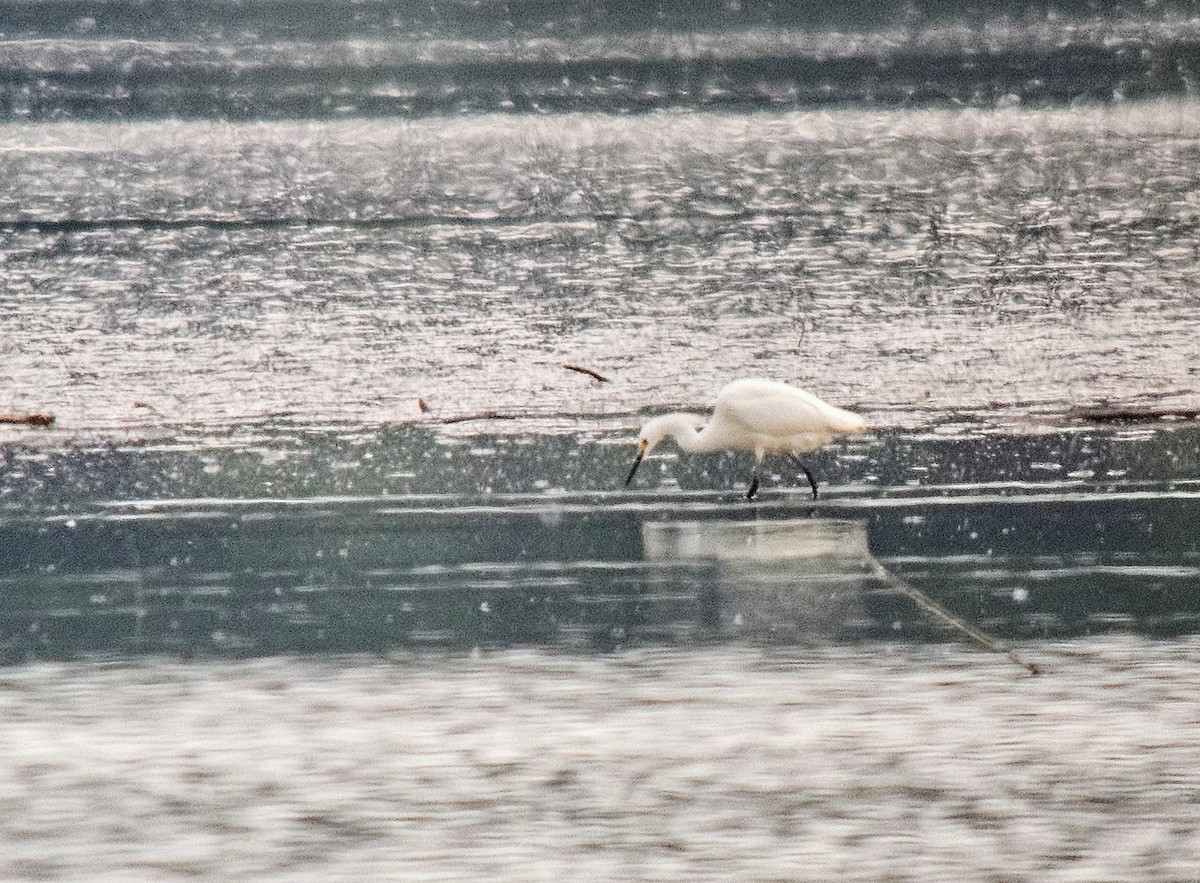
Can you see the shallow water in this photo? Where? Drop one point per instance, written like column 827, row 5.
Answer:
column 307, row 569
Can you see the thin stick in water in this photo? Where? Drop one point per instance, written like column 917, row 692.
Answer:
column 595, row 375
column 958, row 624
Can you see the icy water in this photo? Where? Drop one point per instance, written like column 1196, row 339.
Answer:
column 325, row 569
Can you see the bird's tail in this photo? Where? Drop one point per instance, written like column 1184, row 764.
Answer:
column 844, row 422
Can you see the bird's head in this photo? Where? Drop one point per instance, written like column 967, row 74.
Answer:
column 655, row 430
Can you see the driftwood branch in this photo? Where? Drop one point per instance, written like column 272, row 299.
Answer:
column 1133, row 413
column 28, row 419
column 429, row 419
column 595, row 375
column 481, row 415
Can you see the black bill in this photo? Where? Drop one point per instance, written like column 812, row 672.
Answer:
column 636, row 463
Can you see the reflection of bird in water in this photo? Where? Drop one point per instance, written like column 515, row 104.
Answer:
column 786, row 578
column 762, row 416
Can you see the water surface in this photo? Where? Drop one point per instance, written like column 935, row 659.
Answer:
column 325, row 568
column 714, row 764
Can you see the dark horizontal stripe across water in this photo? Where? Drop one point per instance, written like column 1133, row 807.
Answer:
column 323, row 20
column 247, row 62
column 489, row 219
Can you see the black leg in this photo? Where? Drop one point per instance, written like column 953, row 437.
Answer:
column 753, row 484
column 812, row 481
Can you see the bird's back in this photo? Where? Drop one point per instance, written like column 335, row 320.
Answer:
column 780, row 416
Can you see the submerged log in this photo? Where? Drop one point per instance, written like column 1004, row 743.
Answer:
column 1133, row 413
column 28, row 419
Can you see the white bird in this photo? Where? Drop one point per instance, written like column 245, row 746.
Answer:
column 754, row 415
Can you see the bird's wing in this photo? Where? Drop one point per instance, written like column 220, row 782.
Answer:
column 775, row 409
column 768, row 413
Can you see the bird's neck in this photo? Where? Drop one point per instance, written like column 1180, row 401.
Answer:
column 691, row 439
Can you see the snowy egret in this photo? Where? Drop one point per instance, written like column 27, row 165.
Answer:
column 753, row 415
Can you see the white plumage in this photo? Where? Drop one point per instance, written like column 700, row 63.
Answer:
column 762, row 416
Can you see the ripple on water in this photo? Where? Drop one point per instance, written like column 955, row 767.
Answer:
column 713, row 763
column 916, row 245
